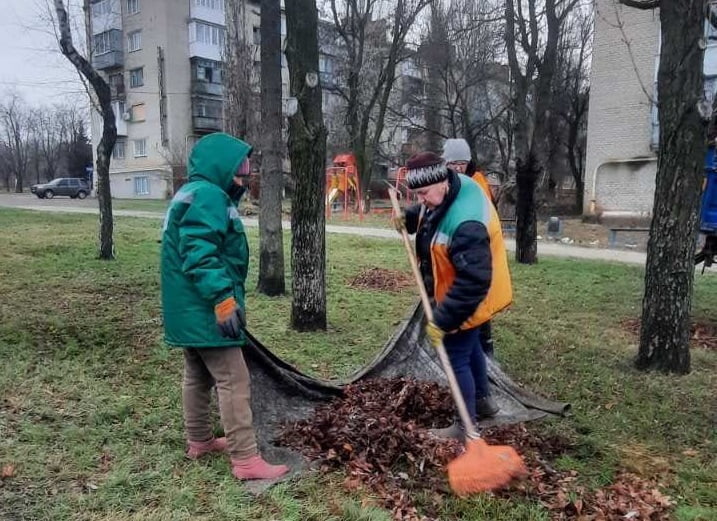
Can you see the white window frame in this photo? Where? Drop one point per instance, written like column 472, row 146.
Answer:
column 134, row 41
column 136, row 73
column 140, row 147
column 132, row 6
column 141, row 185
column 102, row 8
column 120, row 149
column 210, row 4
column 102, row 43
column 209, row 34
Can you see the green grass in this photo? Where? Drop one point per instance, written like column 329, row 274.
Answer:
column 90, row 398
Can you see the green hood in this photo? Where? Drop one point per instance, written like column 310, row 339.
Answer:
column 216, row 158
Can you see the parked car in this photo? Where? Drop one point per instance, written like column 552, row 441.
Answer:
column 70, row 186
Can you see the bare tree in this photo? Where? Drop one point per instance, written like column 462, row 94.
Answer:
column 532, row 35
column 669, row 272
column 307, row 150
column 371, row 59
column 17, row 125
column 271, row 245
column 102, row 94
column 240, row 99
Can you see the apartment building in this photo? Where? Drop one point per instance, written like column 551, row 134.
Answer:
column 163, row 61
column 623, row 128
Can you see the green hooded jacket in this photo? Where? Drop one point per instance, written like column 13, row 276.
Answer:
column 205, row 255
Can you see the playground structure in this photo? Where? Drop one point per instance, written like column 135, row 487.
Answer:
column 401, row 186
column 343, row 186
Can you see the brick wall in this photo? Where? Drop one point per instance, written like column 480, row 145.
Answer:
column 619, row 121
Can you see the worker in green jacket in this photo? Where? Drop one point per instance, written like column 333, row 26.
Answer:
column 205, row 257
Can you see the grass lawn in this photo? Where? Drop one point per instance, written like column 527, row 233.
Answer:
column 90, row 418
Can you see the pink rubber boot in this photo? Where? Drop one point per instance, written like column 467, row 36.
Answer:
column 197, row 449
column 256, row 468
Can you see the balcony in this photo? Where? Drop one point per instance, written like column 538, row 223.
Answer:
column 207, row 88
column 108, row 60
column 206, row 124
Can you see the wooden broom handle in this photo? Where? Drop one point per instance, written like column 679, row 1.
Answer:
column 470, row 430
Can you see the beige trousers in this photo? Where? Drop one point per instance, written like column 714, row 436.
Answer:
column 225, row 368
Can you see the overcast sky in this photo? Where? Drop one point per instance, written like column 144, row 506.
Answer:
column 30, row 62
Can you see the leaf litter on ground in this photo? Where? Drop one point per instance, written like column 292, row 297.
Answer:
column 378, row 434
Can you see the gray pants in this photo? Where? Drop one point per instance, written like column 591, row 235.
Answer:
column 225, row 368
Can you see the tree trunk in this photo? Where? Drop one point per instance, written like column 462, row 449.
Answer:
column 109, row 129
column 526, row 246
column 271, row 247
column 666, row 305
column 307, row 150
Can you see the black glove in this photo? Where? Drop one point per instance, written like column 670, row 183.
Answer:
column 230, row 318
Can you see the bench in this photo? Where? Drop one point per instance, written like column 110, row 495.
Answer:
column 612, row 233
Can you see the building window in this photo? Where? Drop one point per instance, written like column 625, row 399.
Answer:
column 118, row 151
column 140, row 147
column 136, row 77
column 103, row 43
column 138, row 112
column 256, row 32
column 132, row 6
column 141, row 185
column 209, row 71
column 209, row 34
column 134, row 41
column 101, row 8
column 210, row 4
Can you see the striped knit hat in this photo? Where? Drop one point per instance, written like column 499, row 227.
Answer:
column 425, row 168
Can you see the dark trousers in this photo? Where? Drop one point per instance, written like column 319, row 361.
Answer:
column 486, row 338
column 468, row 363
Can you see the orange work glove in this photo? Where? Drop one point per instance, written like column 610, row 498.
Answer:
column 230, row 318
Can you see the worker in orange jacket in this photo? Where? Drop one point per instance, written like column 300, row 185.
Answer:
column 457, row 155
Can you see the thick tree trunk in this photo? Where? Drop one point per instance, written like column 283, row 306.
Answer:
column 526, row 246
column 666, row 305
column 271, row 247
column 307, row 150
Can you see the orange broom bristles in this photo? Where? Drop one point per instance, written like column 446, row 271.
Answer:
column 484, row 467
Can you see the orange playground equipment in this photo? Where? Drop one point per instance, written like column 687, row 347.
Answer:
column 343, row 186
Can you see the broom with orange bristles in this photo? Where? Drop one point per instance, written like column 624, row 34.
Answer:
column 481, row 467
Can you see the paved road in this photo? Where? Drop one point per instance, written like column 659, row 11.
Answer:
column 66, row 205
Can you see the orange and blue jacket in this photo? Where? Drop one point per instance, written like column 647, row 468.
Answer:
column 462, row 256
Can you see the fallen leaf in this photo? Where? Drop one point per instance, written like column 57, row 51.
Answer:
column 8, row 471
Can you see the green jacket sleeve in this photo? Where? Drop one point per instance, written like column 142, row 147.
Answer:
column 201, row 234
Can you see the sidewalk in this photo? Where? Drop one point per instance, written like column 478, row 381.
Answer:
column 544, row 248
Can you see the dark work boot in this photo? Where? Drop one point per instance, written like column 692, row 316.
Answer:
column 453, row 432
column 486, row 408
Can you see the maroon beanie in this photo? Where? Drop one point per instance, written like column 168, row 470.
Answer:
column 425, row 168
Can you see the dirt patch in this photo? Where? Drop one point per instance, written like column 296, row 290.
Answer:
column 703, row 334
column 382, row 279
column 377, row 434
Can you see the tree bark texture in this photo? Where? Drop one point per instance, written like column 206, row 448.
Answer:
column 307, row 150
column 271, row 246
column 666, row 305
column 239, row 109
column 109, row 129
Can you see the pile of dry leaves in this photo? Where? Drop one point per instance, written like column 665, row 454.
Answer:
column 377, row 433
column 382, row 279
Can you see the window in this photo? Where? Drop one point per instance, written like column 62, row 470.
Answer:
column 118, row 151
column 134, row 41
column 132, row 6
column 141, row 185
column 209, row 71
column 136, row 77
column 101, row 8
column 710, row 29
column 210, row 4
column 140, row 147
column 103, row 43
column 138, row 112
column 256, row 31
column 209, row 34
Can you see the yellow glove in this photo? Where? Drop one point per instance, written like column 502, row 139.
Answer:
column 435, row 334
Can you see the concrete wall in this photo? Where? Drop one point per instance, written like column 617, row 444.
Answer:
column 619, row 122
